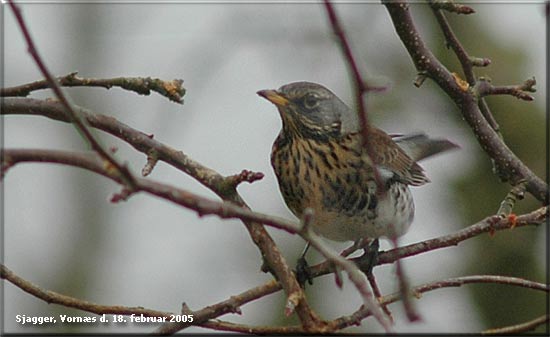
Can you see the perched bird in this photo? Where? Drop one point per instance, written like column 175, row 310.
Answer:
column 320, row 163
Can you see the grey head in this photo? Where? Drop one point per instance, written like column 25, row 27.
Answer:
column 312, row 106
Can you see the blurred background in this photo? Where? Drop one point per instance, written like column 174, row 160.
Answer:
column 62, row 233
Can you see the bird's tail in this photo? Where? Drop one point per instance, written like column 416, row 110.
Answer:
column 419, row 146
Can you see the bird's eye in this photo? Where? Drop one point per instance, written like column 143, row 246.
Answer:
column 311, row 101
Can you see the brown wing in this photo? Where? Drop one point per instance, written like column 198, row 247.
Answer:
column 387, row 155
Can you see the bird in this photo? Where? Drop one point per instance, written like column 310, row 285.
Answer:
column 321, row 164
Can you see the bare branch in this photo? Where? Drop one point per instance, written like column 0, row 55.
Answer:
column 354, row 274
column 228, row 210
column 234, row 207
column 206, row 176
column 230, row 305
column 410, row 310
column 219, row 325
column 485, row 88
column 488, row 225
column 509, row 166
column 519, row 328
column 451, row 6
column 360, row 86
column 52, row 297
column 235, row 180
column 355, row 318
column 378, row 295
column 467, row 61
column 203, row 206
column 72, row 115
column 173, row 90
column 516, row 193
column 362, row 313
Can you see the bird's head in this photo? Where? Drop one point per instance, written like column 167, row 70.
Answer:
column 311, row 110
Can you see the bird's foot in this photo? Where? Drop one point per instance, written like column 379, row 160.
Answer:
column 303, row 272
column 369, row 259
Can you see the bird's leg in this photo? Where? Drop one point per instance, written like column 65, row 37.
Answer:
column 368, row 260
column 303, row 271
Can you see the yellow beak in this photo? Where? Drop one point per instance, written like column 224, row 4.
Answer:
column 274, row 97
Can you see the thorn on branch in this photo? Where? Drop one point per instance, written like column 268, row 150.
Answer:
column 152, row 160
column 452, row 7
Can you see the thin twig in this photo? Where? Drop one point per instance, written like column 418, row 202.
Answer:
column 204, row 206
column 73, row 116
column 378, row 294
column 71, row 302
column 519, row 328
column 485, row 88
column 202, row 317
column 516, row 193
column 509, row 165
column 362, row 313
column 355, row 318
column 219, row 325
column 467, row 61
column 206, row 176
column 410, row 311
column 451, row 6
column 173, row 90
column 360, row 87
column 228, row 210
column 454, row 43
column 355, row 276
column 488, row 225
column 143, row 143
